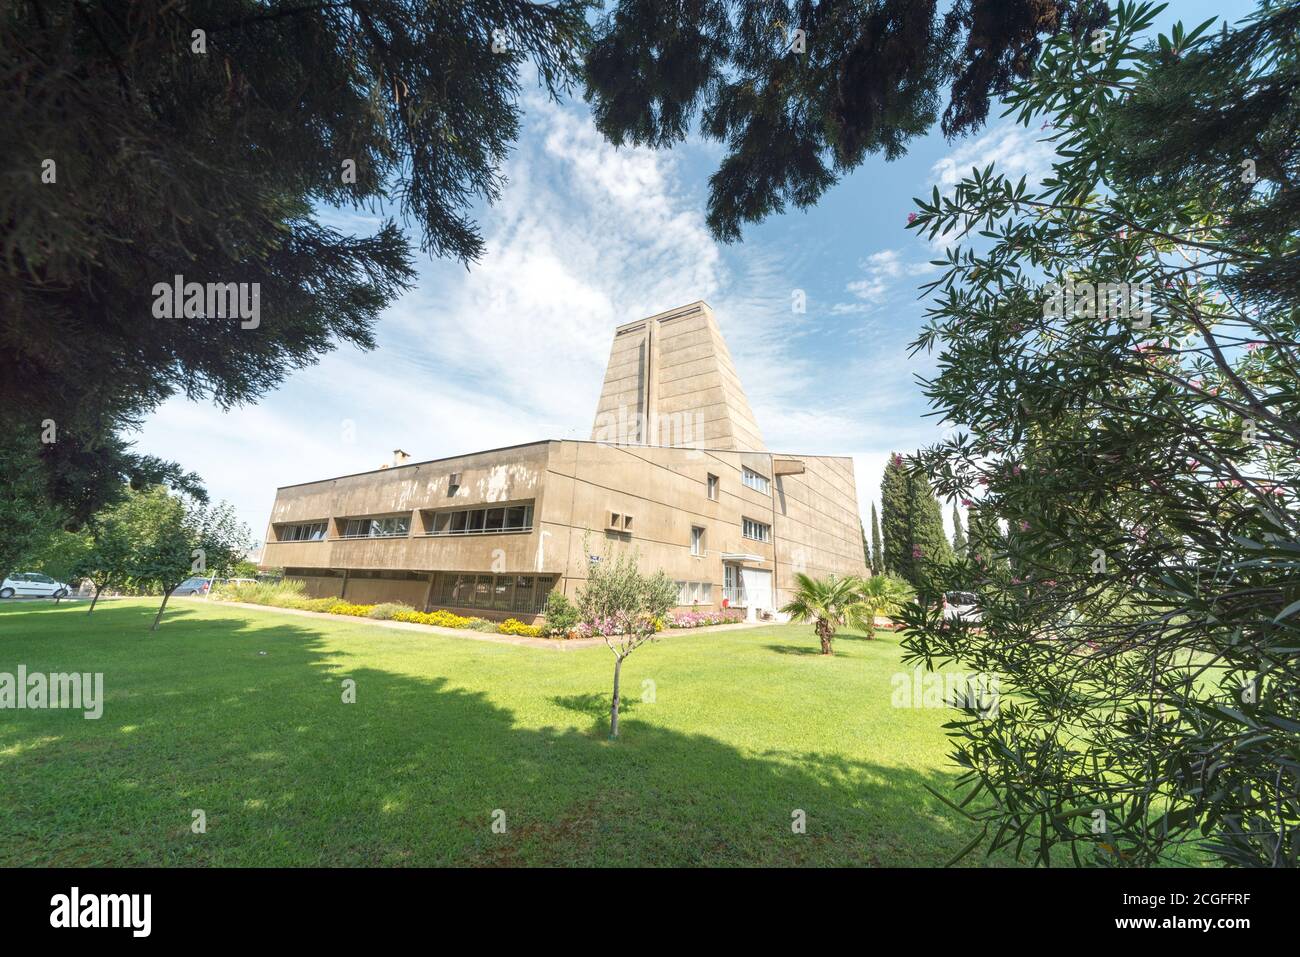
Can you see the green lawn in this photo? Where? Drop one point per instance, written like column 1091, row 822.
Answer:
column 746, row 727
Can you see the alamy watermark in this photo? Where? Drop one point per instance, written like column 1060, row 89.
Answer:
column 1103, row 300
column 179, row 299
column 626, row 427
column 39, row 691
column 954, row 689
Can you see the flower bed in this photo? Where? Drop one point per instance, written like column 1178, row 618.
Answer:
column 703, row 619
column 289, row 595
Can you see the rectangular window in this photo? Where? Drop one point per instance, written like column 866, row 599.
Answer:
column 501, row 592
column 689, row 593
column 524, row 593
column 758, row 531
column 306, row 532
column 713, row 488
column 755, row 481
column 377, row 527
column 488, row 520
column 544, row 585
column 697, row 540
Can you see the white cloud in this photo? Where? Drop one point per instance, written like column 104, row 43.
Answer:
column 882, row 271
column 1013, row 150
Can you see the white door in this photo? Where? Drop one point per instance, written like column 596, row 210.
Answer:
column 757, row 583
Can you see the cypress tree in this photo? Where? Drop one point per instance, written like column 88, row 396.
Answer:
column 895, row 521
column 877, row 558
column 959, row 544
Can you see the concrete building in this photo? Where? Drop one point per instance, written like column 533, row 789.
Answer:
column 676, row 469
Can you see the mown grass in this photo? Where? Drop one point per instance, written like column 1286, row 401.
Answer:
column 239, row 713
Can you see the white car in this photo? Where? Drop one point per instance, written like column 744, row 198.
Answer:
column 961, row 605
column 34, row 585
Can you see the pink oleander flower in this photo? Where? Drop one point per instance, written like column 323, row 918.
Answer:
column 984, row 480
column 1015, row 470
column 911, row 218
column 1015, row 581
column 918, row 551
column 898, row 459
column 967, row 503
column 1252, row 346
column 1024, row 526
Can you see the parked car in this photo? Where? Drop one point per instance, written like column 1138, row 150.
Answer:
column 192, row 586
column 962, row 605
column 33, row 584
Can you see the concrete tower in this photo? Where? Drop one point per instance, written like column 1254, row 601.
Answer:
column 671, row 382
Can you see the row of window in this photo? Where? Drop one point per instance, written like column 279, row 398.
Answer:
column 483, row 521
column 758, row 531
column 525, row 594
column 307, row 532
column 377, row 527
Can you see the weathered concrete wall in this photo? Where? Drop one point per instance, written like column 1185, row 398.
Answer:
column 674, row 370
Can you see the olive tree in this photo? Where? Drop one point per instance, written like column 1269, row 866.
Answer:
column 625, row 607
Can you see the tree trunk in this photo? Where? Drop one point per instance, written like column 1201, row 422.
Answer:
column 613, row 709
column 158, row 617
column 98, row 589
column 824, row 633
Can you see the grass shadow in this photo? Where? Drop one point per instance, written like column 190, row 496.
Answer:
column 415, row 772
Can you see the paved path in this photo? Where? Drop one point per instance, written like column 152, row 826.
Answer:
column 555, row 644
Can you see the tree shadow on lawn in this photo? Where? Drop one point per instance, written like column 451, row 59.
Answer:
column 415, row 772
column 803, row 650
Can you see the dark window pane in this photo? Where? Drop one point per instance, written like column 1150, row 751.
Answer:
column 495, row 517
column 524, row 593
column 475, row 521
column 515, row 516
column 458, row 521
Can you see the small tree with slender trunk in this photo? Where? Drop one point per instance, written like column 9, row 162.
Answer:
column 624, row 607
column 188, row 540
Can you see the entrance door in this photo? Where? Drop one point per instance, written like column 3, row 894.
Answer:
column 757, row 583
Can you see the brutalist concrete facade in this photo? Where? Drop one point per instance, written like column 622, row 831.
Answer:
column 676, row 470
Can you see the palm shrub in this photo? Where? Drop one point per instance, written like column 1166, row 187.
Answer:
column 823, row 601
column 878, row 595
column 1142, row 448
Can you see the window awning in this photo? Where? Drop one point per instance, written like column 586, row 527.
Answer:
column 742, row 557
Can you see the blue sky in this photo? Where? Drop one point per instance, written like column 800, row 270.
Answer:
column 586, row 237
